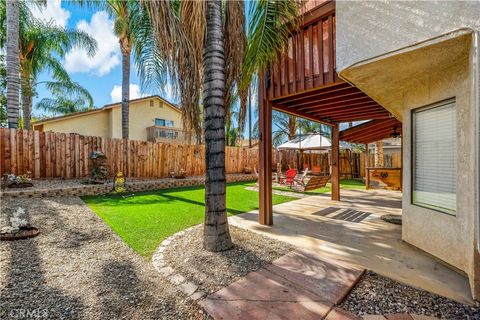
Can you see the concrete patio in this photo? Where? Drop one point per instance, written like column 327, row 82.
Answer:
column 351, row 231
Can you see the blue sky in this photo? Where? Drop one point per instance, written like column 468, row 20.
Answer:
column 101, row 74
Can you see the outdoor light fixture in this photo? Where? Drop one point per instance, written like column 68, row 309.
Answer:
column 395, row 134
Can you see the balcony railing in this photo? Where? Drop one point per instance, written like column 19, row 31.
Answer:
column 166, row 134
column 309, row 60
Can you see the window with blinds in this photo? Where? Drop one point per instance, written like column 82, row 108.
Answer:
column 435, row 157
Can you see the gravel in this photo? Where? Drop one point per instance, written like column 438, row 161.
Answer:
column 213, row 271
column 77, row 268
column 375, row 294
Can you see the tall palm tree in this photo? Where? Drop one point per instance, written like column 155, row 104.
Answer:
column 180, row 30
column 42, row 45
column 13, row 63
column 133, row 29
column 216, row 232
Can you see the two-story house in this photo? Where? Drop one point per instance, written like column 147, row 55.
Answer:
column 150, row 119
column 409, row 68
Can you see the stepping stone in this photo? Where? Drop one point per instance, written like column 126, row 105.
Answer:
column 421, row 317
column 329, row 279
column 340, row 314
column 398, row 316
column 299, row 285
column 263, row 295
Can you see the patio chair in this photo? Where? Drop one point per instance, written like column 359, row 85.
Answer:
column 313, row 183
column 301, row 179
column 316, row 170
column 290, row 177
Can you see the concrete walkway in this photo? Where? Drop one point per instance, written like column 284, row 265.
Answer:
column 299, row 285
column 351, row 231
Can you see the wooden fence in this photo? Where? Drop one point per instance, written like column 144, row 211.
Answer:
column 61, row 155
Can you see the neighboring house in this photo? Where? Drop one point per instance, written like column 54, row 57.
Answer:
column 409, row 68
column 420, row 61
column 151, row 118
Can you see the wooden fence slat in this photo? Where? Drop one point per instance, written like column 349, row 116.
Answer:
column 36, row 145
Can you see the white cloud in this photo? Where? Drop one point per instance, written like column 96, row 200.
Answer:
column 108, row 53
column 53, row 11
column 135, row 92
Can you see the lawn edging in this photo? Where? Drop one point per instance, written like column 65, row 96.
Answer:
column 190, row 289
column 79, row 189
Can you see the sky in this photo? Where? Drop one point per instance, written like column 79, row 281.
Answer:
column 101, row 74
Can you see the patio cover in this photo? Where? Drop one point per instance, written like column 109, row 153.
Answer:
column 310, row 142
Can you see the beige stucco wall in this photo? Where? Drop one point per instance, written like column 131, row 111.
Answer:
column 366, row 29
column 450, row 238
column 107, row 123
column 399, row 54
column 142, row 115
column 90, row 124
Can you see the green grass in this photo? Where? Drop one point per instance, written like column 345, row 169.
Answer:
column 344, row 184
column 147, row 218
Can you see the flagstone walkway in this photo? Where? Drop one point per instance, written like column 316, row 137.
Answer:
column 299, row 285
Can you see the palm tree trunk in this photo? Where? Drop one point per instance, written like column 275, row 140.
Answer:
column 216, row 235
column 125, row 89
column 13, row 63
column 379, row 154
column 26, row 103
column 292, row 127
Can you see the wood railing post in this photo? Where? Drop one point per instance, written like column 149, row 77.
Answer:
column 265, row 212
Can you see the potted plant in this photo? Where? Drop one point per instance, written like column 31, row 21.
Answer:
column 181, row 174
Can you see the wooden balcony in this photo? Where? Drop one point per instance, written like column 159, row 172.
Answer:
column 304, row 83
column 309, row 60
column 166, row 134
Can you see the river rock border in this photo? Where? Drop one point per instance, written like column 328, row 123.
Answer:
column 189, row 288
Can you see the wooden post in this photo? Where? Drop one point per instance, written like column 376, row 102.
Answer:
column 335, row 163
column 367, row 173
column 265, row 212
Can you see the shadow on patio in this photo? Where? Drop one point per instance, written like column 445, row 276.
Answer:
column 351, row 230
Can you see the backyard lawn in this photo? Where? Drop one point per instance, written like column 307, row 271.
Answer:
column 147, row 218
column 344, row 184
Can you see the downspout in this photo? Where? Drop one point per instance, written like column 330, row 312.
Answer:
column 476, row 92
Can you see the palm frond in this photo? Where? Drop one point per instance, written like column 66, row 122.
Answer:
column 179, row 38
column 235, row 45
column 270, row 26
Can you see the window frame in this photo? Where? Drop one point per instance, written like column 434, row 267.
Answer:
column 442, row 103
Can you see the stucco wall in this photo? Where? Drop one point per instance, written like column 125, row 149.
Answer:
column 90, row 124
column 430, row 67
column 142, row 116
column 366, row 29
column 450, row 238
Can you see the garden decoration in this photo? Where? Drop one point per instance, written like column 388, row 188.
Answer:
column 19, row 228
column 20, row 181
column 119, row 183
column 99, row 169
column 247, row 170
